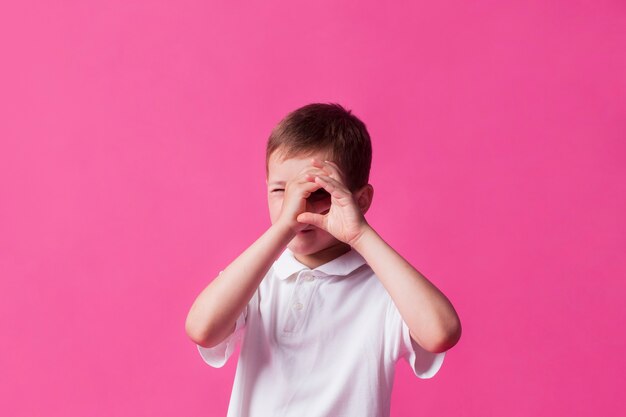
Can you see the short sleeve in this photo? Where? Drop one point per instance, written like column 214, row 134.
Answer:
column 424, row 364
column 217, row 355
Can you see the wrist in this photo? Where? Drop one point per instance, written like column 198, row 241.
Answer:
column 284, row 230
column 361, row 238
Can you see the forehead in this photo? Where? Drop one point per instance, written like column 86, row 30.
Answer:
column 281, row 170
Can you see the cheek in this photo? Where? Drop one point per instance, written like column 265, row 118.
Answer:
column 274, row 205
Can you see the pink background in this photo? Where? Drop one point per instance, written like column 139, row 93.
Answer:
column 132, row 171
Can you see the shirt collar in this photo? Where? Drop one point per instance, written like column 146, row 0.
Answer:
column 286, row 265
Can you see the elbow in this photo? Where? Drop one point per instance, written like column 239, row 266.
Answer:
column 192, row 332
column 202, row 333
column 198, row 337
column 449, row 336
column 196, row 332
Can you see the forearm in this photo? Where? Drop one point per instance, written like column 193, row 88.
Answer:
column 429, row 315
column 213, row 314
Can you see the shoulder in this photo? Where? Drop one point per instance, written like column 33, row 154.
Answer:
column 365, row 288
column 366, row 276
column 268, row 286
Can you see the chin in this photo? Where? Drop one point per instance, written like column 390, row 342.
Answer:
column 304, row 248
column 309, row 245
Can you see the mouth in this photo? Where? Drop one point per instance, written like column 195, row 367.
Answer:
column 305, row 230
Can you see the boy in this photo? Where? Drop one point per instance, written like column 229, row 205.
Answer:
column 327, row 307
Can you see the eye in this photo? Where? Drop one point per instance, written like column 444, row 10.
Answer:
column 278, row 189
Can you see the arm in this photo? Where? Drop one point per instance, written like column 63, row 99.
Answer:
column 213, row 314
column 431, row 318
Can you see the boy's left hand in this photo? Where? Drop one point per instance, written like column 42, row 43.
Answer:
column 344, row 220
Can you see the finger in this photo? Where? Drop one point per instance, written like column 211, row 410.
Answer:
column 328, row 169
column 317, row 163
column 314, row 164
column 303, row 188
column 315, row 219
column 310, row 176
column 308, row 173
column 310, row 187
column 335, row 171
column 334, row 187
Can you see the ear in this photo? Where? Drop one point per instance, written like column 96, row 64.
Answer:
column 364, row 197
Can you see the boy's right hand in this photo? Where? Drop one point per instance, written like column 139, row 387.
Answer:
column 297, row 190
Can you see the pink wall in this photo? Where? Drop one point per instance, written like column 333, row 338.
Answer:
column 131, row 166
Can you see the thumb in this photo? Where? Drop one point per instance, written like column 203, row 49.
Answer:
column 316, row 220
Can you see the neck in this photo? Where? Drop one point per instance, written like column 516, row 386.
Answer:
column 326, row 255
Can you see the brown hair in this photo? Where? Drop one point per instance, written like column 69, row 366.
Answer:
column 325, row 127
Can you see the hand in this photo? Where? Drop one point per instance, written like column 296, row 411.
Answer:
column 300, row 192
column 344, row 220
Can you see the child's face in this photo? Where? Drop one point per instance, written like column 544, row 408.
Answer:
column 281, row 171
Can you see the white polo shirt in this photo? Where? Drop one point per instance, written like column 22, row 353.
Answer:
column 319, row 342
